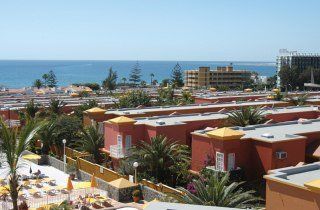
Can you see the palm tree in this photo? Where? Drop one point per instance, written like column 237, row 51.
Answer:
column 299, row 100
column 159, row 157
column 47, row 134
column 218, row 191
column 91, row 141
column 55, row 106
column 14, row 142
column 37, row 83
column 246, row 116
column 151, row 76
column 32, row 108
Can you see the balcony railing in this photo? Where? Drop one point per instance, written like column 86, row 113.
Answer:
column 116, row 151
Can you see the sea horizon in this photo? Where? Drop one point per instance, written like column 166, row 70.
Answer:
column 21, row 73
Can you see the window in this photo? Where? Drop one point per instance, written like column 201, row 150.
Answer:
column 119, row 141
column 231, row 161
column 219, row 161
column 128, row 142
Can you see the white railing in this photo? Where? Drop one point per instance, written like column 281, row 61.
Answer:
column 116, row 151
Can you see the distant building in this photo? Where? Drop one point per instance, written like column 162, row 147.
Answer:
column 300, row 60
column 222, row 76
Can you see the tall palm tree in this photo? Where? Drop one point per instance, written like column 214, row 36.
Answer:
column 159, row 157
column 55, row 106
column 218, row 191
column 14, row 142
column 124, row 80
column 151, row 76
column 91, row 141
column 246, row 116
column 47, row 134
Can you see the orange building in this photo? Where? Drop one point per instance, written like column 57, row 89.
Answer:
column 122, row 132
column 256, row 149
column 294, row 188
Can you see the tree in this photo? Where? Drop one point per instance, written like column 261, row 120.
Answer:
column 124, row 80
column 177, row 76
column 37, row 83
column 160, row 157
column 134, row 98
column 135, row 75
column 67, row 127
column 51, row 79
column 56, row 106
column 166, row 96
column 151, row 78
column 217, row 191
column 32, row 108
column 165, row 82
column 289, row 76
column 45, row 78
column 246, row 116
column 78, row 111
column 91, row 141
column 14, row 142
column 110, row 82
column 48, row 135
column 186, row 98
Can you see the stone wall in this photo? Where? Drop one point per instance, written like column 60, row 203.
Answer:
column 150, row 194
column 54, row 162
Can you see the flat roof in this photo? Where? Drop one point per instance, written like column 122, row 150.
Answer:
column 166, row 120
column 296, row 175
column 277, row 132
column 132, row 111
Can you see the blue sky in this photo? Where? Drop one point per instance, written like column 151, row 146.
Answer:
column 240, row 30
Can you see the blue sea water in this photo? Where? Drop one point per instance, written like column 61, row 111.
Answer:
column 22, row 73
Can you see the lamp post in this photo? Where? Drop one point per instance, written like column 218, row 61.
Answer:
column 64, row 154
column 135, row 165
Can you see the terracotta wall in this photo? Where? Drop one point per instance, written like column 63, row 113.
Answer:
column 285, row 197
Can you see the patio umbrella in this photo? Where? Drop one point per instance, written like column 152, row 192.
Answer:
column 93, row 181
column 69, row 184
column 31, row 157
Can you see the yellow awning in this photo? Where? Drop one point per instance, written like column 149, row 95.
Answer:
column 122, row 183
column 313, row 185
column 31, row 157
column 122, row 120
column 225, row 134
column 95, row 110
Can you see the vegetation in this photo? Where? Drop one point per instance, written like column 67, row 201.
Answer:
column 133, row 99
column 14, row 142
column 151, row 78
column 62, row 206
column 135, row 75
column 166, row 96
column 159, row 158
column 177, row 76
column 91, row 141
column 50, row 79
column 93, row 85
column 216, row 190
column 48, row 135
column 186, row 98
column 110, row 82
column 78, row 111
column 246, row 116
column 37, row 83
column 165, row 82
column 299, row 100
column 55, row 106
column 67, row 127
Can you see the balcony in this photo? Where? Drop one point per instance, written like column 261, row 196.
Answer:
column 116, row 151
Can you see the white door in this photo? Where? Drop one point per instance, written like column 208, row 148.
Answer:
column 219, row 161
column 231, row 161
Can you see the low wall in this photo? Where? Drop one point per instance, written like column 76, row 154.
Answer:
column 150, row 194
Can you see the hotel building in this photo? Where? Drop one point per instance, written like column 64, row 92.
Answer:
column 256, row 149
column 222, row 76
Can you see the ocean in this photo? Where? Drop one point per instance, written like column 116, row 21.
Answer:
column 22, row 73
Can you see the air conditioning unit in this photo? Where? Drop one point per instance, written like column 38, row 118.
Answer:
column 281, row 155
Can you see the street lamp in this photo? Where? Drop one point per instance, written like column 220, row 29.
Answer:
column 64, row 155
column 135, row 165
